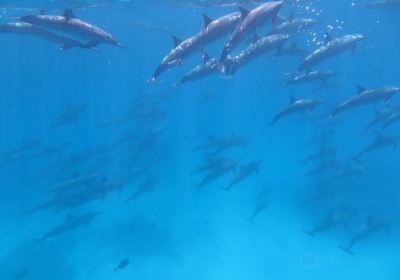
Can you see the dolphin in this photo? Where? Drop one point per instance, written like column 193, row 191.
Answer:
column 394, row 118
column 147, row 186
column 322, row 154
column 261, row 206
column 324, row 166
column 347, row 171
column 321, row 194
column 365, row 97
column 245, row 171
column 381, row 142
column 28, row 29
column 251, row 20
column 223, row 169
column 381, row 116
column 207, row 68
column 256, row 49
column 293, row 25
column 212, row 31
column 371, row 226
column 384, row 4
column 70, row 224
column 332, row 220
column 311, row 77
column 231, row 142
column 71, row 26
column 123, row 264
column 332, row 47
column 297, row 106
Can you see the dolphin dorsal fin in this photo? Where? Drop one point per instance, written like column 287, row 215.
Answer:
column 176, row 41
column 294, row 46
column 244, row 11
column 293, row 99
column 328, row 38
column 68, row 14
column 255, row 38
column 207, row 20
column 205, row 56
column 360, row 89
column 291, row 16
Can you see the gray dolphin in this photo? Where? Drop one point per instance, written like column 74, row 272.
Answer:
column 71, row 26
column 259, row 47
column 70, row 224
column 297, row 106
column 223, row 169
column 213, row 30
column 393, row 118
column 312, row 77
column 293, row 25
column 251, row 20
column 207, row 68
column 381, row 116
column 332, row 47
column 383, row 4
column 365, row 97
column 245, row 171
column 28, row 29
column 381, row 142
column 371, row 226
column 335, row 218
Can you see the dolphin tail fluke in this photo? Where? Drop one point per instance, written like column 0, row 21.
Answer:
column 347, row 250
column 152, row 81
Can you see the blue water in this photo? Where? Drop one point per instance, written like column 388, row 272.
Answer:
column 132, row 132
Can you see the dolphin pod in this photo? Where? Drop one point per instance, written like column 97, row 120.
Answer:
column 65, row 29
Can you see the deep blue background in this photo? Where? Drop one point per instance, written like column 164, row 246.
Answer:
column 197, row 235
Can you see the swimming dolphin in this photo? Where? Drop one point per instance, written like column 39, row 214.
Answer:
column 251, row 20
column 365, row 97
column 393, row 118
column 223, row 169
column 332, row 47
column 293, row 25
column 297, row 106
column 383, row 4
column 312, row 77
column 245, row 171
column 371, row 226
column 70, row 224
column 27, row 29
column 147, row 186
column 381, row 116
column 261, row 205
column 123, row 264
column 334, row 219
column 259, row 47
column 322, row 154
column 212, row 31
column 207, row 68
column 381, row 142
column 68, row 24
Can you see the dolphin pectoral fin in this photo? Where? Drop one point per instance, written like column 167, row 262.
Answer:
column 90, row 45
